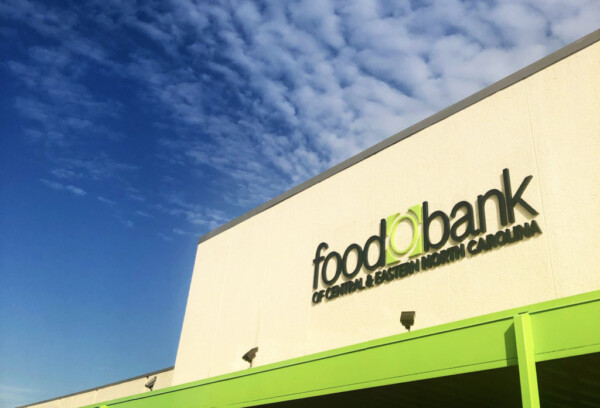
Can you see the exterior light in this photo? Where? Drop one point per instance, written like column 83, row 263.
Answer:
column 407, row 319
column 249, row 356
column 150, row 383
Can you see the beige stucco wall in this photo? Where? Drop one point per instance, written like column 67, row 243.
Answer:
column 104, row 393
column 252, row 284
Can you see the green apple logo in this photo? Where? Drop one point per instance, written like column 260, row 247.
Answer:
column 395, row 248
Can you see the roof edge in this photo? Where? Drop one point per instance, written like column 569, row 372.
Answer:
column 512, row 79
column 101, row 386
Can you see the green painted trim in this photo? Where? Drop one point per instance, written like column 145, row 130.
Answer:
column 563, row 327
column 395, row 380
column 526, row 357
column 571, row 352
column 564, row 330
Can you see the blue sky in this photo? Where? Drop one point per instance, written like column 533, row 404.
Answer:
column 128, row 130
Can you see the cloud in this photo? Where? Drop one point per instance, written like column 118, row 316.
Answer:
column 292, row 90
column 252, row 98
column 165, row 237
column 196, row 214
column 46, row 21
column 98, row 166
column 15, row 395
column 60, row 108
column 178, row 231
column 64, row 187
column 67, row 174
column 106, row 201
column 135, row 197
column 133, row 193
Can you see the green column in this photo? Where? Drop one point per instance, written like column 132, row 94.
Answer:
column 526, row 359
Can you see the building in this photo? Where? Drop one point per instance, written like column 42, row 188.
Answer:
column 483, row 219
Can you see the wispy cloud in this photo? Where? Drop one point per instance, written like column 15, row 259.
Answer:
column 11, row 395
column 282, row 92
column 98, row 167
column 66, row 174
column 61, row 109
column 165, row 237
column 251, row 98
column 134, row 194
column 106, row 201
column 185, row 233
column 64, row 187
column 197, row 214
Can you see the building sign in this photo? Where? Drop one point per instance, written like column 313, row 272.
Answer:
column 397, row 258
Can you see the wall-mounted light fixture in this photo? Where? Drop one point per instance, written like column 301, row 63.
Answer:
column 407, row 319
column 249, row 356
column 150, row 383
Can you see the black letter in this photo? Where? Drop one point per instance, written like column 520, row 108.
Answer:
column 359, row 261
column 427, row 220
column 338, row 268
column 469, row 218
column 472, row 247
column 481, row 199
column 535, row 227
column 317, row 261
column 381, row 239
column 511, row 200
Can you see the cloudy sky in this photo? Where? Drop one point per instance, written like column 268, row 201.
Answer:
column 128, row 130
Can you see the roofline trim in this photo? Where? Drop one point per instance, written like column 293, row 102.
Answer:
column 512, row 79
column 99, row 387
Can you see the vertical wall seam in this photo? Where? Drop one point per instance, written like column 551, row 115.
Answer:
column 537, row 168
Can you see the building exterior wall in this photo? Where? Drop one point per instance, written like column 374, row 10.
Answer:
column 164, row 379
column 252, row 283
